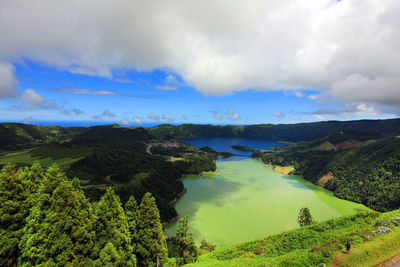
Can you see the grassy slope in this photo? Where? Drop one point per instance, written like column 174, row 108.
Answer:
column 316, row 245
column 46, row 155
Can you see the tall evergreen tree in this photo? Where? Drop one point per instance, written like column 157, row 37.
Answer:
column 16, row 189
column 305, row 217
column 152, row 247
column 112, row 227
column 132, row 215
column 184, row 239
column 59, row 229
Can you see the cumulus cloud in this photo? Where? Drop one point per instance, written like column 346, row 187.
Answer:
column 8, row 82
column 124, row 122
column 216, row 115
column 32, row 100
column 137, row 120
column 168, row 117
column 185, row 117
column 278, row 114
column 235, row 117
column 218, row 47
column 153, row 117
column 232, row 115
column 104, row 115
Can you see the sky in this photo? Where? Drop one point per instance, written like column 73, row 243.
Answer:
column 184, row 61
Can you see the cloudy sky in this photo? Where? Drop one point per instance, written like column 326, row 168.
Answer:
column 175, row 61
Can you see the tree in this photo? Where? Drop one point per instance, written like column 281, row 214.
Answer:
column 132, row 214
column 305, row 217
column 151, row 247
column 112, row 227
column 184, row 239
column 59, row 229
column 206, row 247
column 16, row 189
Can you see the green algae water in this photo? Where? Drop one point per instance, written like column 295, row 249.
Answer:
column 247, row 200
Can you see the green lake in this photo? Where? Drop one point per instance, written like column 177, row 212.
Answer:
column 247, row 200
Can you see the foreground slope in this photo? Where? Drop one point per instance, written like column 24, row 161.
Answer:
column 374, row 238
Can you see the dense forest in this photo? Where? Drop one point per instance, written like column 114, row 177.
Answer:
column 358, row 166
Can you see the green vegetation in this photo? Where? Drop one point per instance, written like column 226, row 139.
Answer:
column 287, row 132
column 245, row 148
column 187, row 250
column 47, row 155
column 366, row 172
column 152, row 248
column 305, row 218
column 47, row 220
column 109, row 156
column 318, row 244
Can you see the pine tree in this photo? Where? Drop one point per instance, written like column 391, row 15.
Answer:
column 109, row 256
column 132, row 214
column 112, row 227
column 16, row 189
column 152, row 247
column 59, row 229
column 184, row 239
column 305, row 217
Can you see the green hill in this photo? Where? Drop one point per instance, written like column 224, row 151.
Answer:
column 374, row 238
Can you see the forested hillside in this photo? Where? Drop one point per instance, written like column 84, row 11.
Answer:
column 111, row 156
column 355, row 166
column 287, row 132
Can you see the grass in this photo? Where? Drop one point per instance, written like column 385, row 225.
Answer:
column 326, row 146
column 315, row 245
column 46, row 155
column 284, row 169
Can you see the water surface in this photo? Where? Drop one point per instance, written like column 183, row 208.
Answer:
column 221, row 144
column 247, row 200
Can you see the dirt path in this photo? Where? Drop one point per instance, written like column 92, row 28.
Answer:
column 338, row 259
column 393, row 262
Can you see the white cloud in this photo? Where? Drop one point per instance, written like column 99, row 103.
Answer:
column 185, row 117
column 137, row 120
column 8, row 82
column 351, row 46
column 33, row 100
column 278, row 114
column 235, row 117
column 80, row 91
column 216, row 115
column 168, row 117
column 350, row 109
column 319, row 117
column 125, row 122
column 153, row 117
